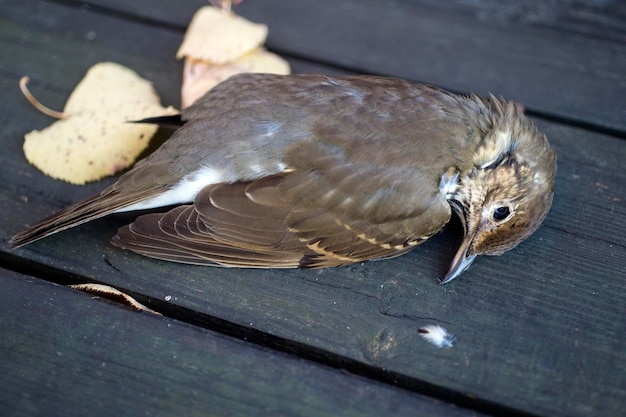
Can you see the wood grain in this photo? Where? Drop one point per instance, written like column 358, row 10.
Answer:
column 558, row 59
column 98, row 359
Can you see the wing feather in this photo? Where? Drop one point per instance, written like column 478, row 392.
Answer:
column 265, row 224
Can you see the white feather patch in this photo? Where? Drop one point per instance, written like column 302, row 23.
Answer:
column 448, row 184
column 183, row 192
column 436, row 335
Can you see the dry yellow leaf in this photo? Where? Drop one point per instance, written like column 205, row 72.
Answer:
column 106, row 291
column 93, row 140
column 220, row 37
column 200, row 76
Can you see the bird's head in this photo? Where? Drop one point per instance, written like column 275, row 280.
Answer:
column 508, row 193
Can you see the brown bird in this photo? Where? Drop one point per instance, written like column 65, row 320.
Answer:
column 315, row 171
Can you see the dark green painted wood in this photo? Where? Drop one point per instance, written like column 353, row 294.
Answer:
column 64, row 354
column 562, row 59
column 539, row 329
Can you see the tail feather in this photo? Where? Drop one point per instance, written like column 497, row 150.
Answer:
column 92, row 208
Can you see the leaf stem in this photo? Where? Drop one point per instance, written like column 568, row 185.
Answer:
column 32, row 100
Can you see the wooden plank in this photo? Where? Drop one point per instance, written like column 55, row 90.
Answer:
column 553, row 323
column 62, row 353
column 561, row 60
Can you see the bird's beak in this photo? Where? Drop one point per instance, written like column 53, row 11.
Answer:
column 461, row 260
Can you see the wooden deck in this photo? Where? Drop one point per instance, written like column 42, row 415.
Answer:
column 540, row 330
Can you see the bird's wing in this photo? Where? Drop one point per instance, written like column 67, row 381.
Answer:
column 223, row 227
column 384, row 200
column 321, row 212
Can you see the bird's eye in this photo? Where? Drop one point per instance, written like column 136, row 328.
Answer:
column 501, row 213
